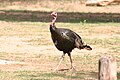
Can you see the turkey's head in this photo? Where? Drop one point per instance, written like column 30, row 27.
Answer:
column 54, row 14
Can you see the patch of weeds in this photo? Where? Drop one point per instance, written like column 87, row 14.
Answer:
column 118, row 76
column 62, row 75
column 34, row 75
column 115, row 49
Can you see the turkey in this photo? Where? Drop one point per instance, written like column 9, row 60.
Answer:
column 65, row 40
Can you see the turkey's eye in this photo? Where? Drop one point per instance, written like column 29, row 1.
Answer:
column 55, row 13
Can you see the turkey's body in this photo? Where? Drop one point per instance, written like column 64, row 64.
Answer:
column 65, row 40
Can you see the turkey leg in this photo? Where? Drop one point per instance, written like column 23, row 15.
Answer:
column 72, row 67
column 60, row 62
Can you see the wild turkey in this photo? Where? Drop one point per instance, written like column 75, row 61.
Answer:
column 65, row 40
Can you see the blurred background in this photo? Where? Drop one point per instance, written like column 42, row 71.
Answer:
column 71, row 10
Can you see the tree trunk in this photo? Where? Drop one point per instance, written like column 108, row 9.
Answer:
column 107, row 68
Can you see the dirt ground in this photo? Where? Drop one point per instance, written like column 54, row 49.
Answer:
column 16, row 46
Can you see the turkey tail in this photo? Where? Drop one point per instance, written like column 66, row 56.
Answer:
column 83, row 46
column 87, row 47
column 80, row 44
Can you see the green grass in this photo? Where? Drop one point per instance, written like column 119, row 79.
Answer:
column 38, row 75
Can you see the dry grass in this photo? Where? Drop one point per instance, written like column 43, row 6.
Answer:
column 30, row 43
column 25, row 38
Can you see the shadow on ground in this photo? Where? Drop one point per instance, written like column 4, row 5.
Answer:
column 80, row 75
column 75, row 17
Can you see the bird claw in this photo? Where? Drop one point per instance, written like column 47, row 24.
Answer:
column 73, row 68
column 56, row 69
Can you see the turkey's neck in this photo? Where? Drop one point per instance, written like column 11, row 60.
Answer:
column 53, row 22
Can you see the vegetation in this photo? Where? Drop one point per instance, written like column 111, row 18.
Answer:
column 25, row 38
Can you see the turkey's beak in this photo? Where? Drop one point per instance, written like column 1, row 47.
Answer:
column 54, row 14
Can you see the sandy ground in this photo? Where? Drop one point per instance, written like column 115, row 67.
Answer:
column 20, row 45
column 17, row 45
